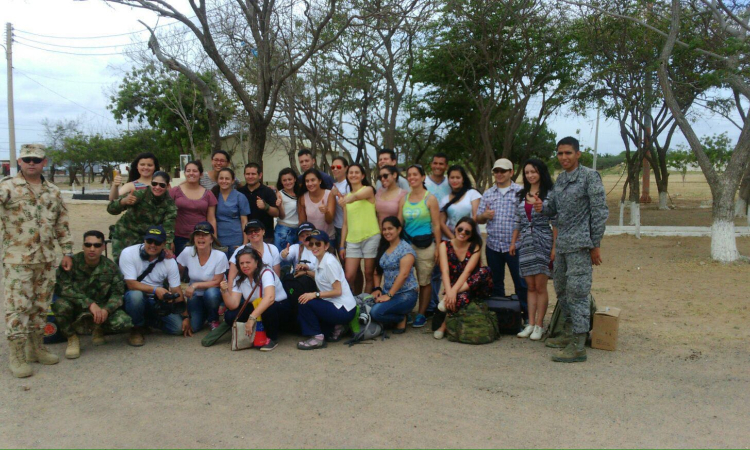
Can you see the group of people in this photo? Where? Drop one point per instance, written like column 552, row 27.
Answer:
column 186, row 255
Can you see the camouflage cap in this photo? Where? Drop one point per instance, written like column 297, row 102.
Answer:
column 32, row 151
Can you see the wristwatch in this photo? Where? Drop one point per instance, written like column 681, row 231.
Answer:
column 68, row 254
column 317, row 295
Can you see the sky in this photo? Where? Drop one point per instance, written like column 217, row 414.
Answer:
column 84, row 40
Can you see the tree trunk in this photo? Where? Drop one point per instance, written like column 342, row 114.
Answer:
column 663, row 196
column 256, row 140
column 723, row 241
column 622, row 213
column 635, row 213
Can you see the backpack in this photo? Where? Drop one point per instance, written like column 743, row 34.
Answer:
column 473, row 324
column 362, row 326
column 556, row 323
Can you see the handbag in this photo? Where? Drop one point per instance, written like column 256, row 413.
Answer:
column 240, row 340
column 421, row 241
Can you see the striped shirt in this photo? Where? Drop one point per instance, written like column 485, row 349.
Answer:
column 500, row 228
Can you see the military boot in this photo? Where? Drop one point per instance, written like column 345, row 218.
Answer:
column 98, row 336
column 17, row 356
column 574, row 352
column 37, row 352
column 562, row 340
column 74, row 347
column 136, row 337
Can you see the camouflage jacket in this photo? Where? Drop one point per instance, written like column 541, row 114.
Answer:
column 580, row 203
column 103, row 284
column 31, row 225
column 147, row 210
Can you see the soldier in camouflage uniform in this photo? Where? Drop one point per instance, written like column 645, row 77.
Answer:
column 142, row 209
column 34, row 218
column 90, row 293
column 580, row 203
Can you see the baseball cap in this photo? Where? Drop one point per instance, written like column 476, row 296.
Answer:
column 203, row 227
column 503, row 163
column 305, row 226
column 32, row 151
column 321, row 236
column 156, row 233
column 254, row 223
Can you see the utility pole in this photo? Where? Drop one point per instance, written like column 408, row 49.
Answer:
column 596, row 137
column 11, row 118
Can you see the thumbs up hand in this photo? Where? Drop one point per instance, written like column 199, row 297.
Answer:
column 538, row 203
column 285, row 252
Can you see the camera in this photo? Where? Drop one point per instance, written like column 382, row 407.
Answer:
column 165, row 306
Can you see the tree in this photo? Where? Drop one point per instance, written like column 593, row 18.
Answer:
column 55, row 134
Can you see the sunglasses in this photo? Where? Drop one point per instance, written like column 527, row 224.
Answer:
column 463, row 230
column 30, row 159
column 161, row 185
column 253, row 231
column 384, row 176
column 154, row 242
column 315, row 243
column 93, row 244
column 337, row 167
column 500, row 170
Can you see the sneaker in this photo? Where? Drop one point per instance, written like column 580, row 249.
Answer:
column 441, row 306
column 438, row 334
column 270, row 345
column 419, row 321
column 338, row 333
column 537, row 334
column 213, row 325
column 526, row 331
column 409, row 319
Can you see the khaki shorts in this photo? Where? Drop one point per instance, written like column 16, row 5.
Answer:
column 365, row 249
column 425, row 263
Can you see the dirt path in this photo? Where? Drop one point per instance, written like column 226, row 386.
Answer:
column 680, row 378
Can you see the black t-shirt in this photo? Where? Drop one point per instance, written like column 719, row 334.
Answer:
column 269, row 196
column 327, row 182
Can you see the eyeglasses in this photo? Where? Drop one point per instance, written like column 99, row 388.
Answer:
column 157, row 184
column 500, row 170
column 384, row 176
column 463, row 230
column 93, row 244
column 153, row 242
column 315, row 243
column 337, row 167
column 30, row 159
column 219, row 160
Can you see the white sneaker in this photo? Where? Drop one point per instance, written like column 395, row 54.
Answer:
column 441, row 306
column 526, row 331
column 438, row 334
column 537, row 334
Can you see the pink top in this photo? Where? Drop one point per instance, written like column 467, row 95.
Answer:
column 314, row 216
column 386, row 208
column 527, row 206
column 190, row 212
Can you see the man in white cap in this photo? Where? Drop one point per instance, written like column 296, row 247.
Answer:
column 34, row 218
column 497, row 209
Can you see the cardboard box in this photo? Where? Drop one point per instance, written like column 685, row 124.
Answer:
column 606, row 325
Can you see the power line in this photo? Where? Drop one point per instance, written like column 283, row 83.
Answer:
column 63, row 97
column 23, row 39
column 124, row 52
column 68, row 81
column 177, row 22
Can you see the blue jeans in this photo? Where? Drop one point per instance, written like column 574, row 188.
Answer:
column 497, row 262
column 179, row 245
column 230, row 251
column 437, row 282
column 140, row 308
column 319, row 316
column 204, row 308
column 394, row 310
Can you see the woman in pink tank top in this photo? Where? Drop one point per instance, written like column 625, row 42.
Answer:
column 317, row 205
column 389, row 196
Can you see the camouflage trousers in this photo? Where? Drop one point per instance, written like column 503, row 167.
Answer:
column 73, row 313
column 28, row 290
column 572, row 277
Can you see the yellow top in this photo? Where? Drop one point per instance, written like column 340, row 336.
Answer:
column 361, row 220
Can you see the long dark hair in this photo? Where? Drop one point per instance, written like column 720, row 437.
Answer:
column 464, row 187
column 545, row 180
column 421, row 171
column 475, row 243
column 393, row 220
column 288, row 171
column 134, row 174
column 318, row 175
column 365, row 181
column 241, row 277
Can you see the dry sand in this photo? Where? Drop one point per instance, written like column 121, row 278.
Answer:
column 679, row 378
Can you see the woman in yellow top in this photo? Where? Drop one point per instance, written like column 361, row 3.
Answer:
column 360, row 234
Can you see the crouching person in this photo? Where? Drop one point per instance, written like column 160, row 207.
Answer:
column 146, row 269
column 256, row 280
column 90, row 294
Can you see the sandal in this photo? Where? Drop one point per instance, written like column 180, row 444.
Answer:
column 338, row 333
column 311, row 344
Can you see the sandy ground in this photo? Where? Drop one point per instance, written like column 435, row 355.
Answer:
column 679, row 378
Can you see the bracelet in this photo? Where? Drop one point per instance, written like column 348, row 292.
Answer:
column 252, row 318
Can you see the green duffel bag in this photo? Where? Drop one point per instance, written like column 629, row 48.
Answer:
column 557, row 324
column 472, row 324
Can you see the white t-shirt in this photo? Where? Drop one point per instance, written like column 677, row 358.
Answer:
column 504, row 190
column 268, row 278
column 291, row 218
column 460, row 208
column 343, row 187
column 216, row 265
column 440, row 191
column 132, row 266
column 271, row 255
column 307, row 255
column 329, row 271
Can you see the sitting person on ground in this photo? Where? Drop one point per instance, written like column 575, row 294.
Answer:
column 255, row 232
column 300, row 253
column 323, row 314
column 206, row 266
column 90, row 293
column 398, row 294
column 146, row 269
column 254, row 280
column 463, row 279
column 143, row 208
